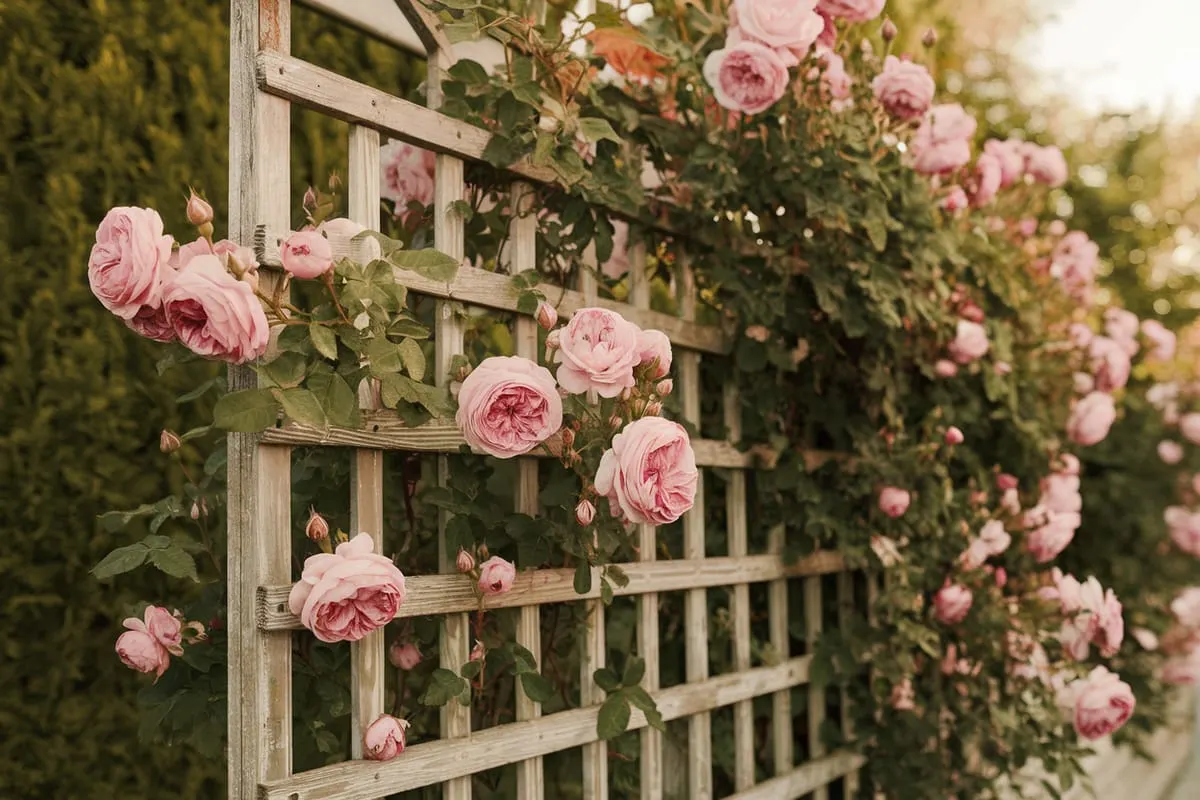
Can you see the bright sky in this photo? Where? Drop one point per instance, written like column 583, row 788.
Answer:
column 1122, row 54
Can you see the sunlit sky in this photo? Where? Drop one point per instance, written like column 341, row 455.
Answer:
column 1122, row 54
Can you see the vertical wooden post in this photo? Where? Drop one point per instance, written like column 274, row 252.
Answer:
column 735, row 518
column 696, row 600
column 781, row 702
column 816, row 695
column 260, row 686
column 845, row 585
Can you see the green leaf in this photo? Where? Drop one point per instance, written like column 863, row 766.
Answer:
column 614, row 717
column 285, row 371
column 635, row 670
column 595, row 129
column 413, row 358
column 444, row 686
column 617, row 575
column 302, row 406
column 523, row 660
column 246, row 411
column 383, row 357
column 324, row 340
column 471, row 670
column 583, row 577
column 175, row 562
column 606, row 679
column 408, row 328
column 642, row 700
column 199, row 391
column 123, row 559
column 428, row 263
column 536, row 687
column 336, row 399
column 395, row 387
column 467, row 71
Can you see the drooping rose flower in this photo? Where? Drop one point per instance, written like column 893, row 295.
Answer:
column 1045, row 164
column 1011, row 159
column 165, row 627
column 385, row 738
column 904, row 89
column 952, row 603
column 597, row 351
column 943, row 142
column 140, row 651
column 853, row 10
column 496, row 576
column 894, row 501
column 1100, row 703
column 970, row 342
column 1091, row 419
column 214, row 314
column 649, row 475
column 128, row 263
column 789, row 27
column 406, row 175
column 654, row 347
column 746, row 77
column 1162, row 340
column 344, row 595
column 507, row 406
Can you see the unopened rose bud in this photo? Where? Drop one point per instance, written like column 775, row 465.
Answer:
column 309, row 203
column 477, row 651
column 546, row 315
column 1001, row 577
column 954, row 436
column 465, row 562
column 195, row 512
column 463, row 371
column 199, row 212
column 889, row 31
column 552, row 341
column 335, row 182
column 317, row 528
column 653, row 409
column 568, row 437
column 664, row 387
column 930, row 38
column 585, row 512
column 404, row 655
column 169, row 442
column 626, row 393
column 614, row 422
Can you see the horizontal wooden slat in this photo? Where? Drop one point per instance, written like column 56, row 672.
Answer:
column 431, row 762
column 486, row 289
column 430, row 595
column 803, row 780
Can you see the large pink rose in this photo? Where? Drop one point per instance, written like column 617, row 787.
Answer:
column 1054, row 531
column 215, row 314
column 1110, row 363
column 654, row 347
column 406, row 175
column 970, row 342
column 650, row 473
column 1045, row 164
column 1162, row 340
column 1075, row 260
column 125, row 269
column 507, row 406
column 598, row 350
column 1102, row 703
column 344, row 595
column 1091, row 419
column 952, row 603
column 853, row 10
column 1009, row 154
column 787, row 26
column 746, row 77
column 904, row 89
column 943, row 142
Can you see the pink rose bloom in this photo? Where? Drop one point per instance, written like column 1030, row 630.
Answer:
column 1080, row 335
column 224, row 249
column 970, row 342
column 215, row 314
column 955, row 200
column 1162, row 341
column 151, row 322
column 1186, row 607
column 597, row 351
column 974, row 556
column 306, row 255
column 954, row 435
column 1075, row 260
column 140, row 651
column 746, row 77
column 650, row 473
column 406, row 175
column 127, row 264
column 618, row 261
column 894, row 501
column 385, row 738
column 952, row 603
column 1111, row 625
column 835, row 79
column 344, row 595
column 1091, row 419
column 988, row 174
column 943, row 142
column 496, row 576
column 904, row 89
column 903, row 698
column 994, row 537
column 1182, row 670
column 1052, row 536
column 1146, row 638
column 1120, row 324
column 1189, row 426
column 1012, row 164
column 654, row 347
column 945, row 368
column 789, row 27
column 507, row 406
column 852, row 10
column 404, row 655
column 1070, row 464
column 1184, row 528
column 164, row 626
column 1170, row 452
column 1102, row 703
column 1110, row 364
column 1060, row 492
column 1045, row 164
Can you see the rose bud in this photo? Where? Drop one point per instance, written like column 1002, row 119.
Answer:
column 585, row 512
column 309, row 203
column 404, row 655
column 169, row 441
column 384, row 738
column 971, row 311
column 893, row 501
column 954, row 436
column 306, row 255
column 198, row 211
column 614, row 422
column 888, row 31
column 465, row 562
column 930, row 38
column 665, row 387
column 496, row 576
column 552, row 341
column 568, row 437
column 477, row 651
column 317, row 528
column 195, row 512
column 546, row 315
column 1001, row 577
column 653, row 409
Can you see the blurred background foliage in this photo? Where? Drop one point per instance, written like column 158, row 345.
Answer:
column 112, row 102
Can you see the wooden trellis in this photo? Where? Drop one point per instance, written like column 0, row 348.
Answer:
column 265, row 81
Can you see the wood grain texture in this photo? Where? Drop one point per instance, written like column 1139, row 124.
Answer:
column 845, row 598
column 735, row 516
column 813, row 620
column 429, row 762
column 259, row 519
column 782, row 745
column 815, row 776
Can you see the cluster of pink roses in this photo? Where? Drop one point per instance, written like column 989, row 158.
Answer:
column 1052, row 522
column 1091, row 615
column 149, row 643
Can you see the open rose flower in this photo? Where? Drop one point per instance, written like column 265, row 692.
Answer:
column 1054, row 531
column 1045, row 164
column 789, row 27
column 148, row 643
column 215, row 314
column 597, row 351
column 943, row 142
column 988, row 175
column 1075, row 260
column 496, row 576
column 894, row 501
column 1110, row 363
column 650, row 474
column 344, row 595
column 746, row 77
column 385, row 738
column 406, row 175
column 970, row 342
column 852, row 10
column 994, row 537
column 1100, row 703
column 507, row 406
column 1091, row 419
column 952, row 603
column 1162, row 341
column 654, row 347
column 1010, row 156
column 129, row 260
column 904, row 89
column 1060, row 492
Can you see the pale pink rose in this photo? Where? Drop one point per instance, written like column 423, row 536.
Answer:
column 886, row 551
column 1111, row 625
column 214, row 314
column 1170, row 452
column 970, row 342
column 746, row 77
column 894, row 501
column 1120, row 324
column 404, row 655
column 1146, row 638
column 306, row 255
column 1060, row 492
column 507, row 406
column 994, row 537
column 955, row 200
column 904, row 89
column 165, row 627
column 654, row 347
column 1075, row 259
column 1186, row 607
column 1050, row 538
column 943, row 142
column 1110, row 364
column 1189, row 426
column 128, row 263
column 406, row 175
column 1103, row 703
column 835, row 79
column 1162, row 341
column 618, row 261
column 229, row 251
column 988, row 174
column 945, row 368
column 852, row 10
column 140, row 651
column 1076, row 635
column 1012, row 165
column 385, row 738
column 1182, row 670
column 649, row 475
column 344, row 595
column 496, row 576
column 903, row 697
column 1184, row 528
column 1045, row 164
column 1068, row 591
column 974, row 556
column 1091, row 419
column 151, row 322
column 952, row 603
column 787, row 26
column 1081, row 335
column 597, row 351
